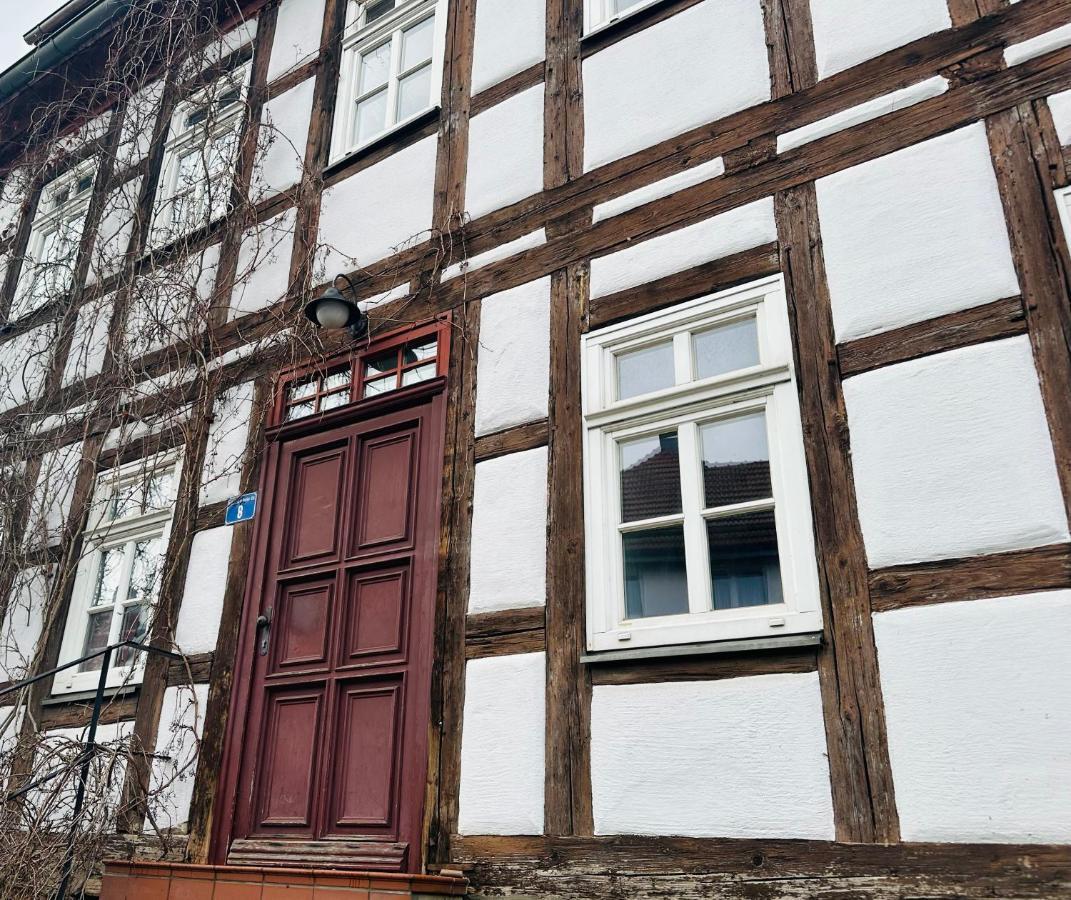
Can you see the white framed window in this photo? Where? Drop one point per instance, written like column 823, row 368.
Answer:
column 55, row 236
column 600, row 13
column 392, row 60
column 118, row 578
column 697, row 506
column 199, row 158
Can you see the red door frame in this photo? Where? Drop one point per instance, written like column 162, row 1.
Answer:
column 224, row 805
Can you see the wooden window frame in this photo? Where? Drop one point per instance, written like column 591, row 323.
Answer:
column 770, row 387
column 354, row 358
column 103, row 534
column 359, row 38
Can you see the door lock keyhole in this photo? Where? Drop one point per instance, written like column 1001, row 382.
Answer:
column 263, row 630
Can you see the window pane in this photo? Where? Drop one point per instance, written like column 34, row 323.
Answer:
column 736, row 460
column 333, row 401
column 377, row 10
column 299, row 411
column 650, row 477
column 109, row 568
column 145, row 570
column 301, row 389
column 424, row 350
column 134, row 627
column 420, row 373
column 384, row 362
column 336, row 380
column 414, row 93
column 656, row 581
column 380, row 386
column 371, row 116
column 645, row 370
column 97, row 631
column 416, row 43
column 726, row 348
column 621, row 5
column 374, row 69
column 744, row 566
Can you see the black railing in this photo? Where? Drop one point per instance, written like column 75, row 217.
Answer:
column 85, row 759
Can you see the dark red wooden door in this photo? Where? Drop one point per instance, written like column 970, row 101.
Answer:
column 334, row 756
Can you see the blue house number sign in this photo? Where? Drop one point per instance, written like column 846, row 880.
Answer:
column 241, row 508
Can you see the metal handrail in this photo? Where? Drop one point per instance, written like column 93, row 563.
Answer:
column 90, row 743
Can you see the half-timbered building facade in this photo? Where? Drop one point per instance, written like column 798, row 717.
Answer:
column 668, row 498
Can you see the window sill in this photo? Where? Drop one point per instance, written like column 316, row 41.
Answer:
column 745, row 645
column 399, row 134
column 59, row 698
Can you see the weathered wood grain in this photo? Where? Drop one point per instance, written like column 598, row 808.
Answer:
column 709, row 668
column 505, row 633
column 512, row 440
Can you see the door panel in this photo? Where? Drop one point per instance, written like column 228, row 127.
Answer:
column 334, row 757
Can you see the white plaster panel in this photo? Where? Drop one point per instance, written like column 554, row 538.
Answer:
column 114, row 231
column 510, row 37
column 512, row 380
column 24, row 365
column 297, row 35
column 730, row 232
column 90, row 341
column 847, row 32
column 502, row 251
column 914, row 235
column 505, row 153
column 509, row 532
column 174, row 765
column 23, row 622
column 139, row 120
column 283, row 134
column 662, row 188
column 202, row 598
column 1060, row 107
column 227, row 435
column 696, row 66
column 502, row 745
column 50, row 505
column 263, row 271
column 383, row 207
column 952, row 456
column 978, row 718
column 1036, row 46
column 741, row 757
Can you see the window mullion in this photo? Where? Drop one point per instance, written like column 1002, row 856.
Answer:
column 392, row 81
column 695, row 550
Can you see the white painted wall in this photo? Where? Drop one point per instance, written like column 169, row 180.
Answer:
column 90, row 340
column 206, row 583
column 662, row 188
column 174, row 765
column 1060, row 107
column 699, row 65
column 297, row 35
column 513, row 362
column 915, row 234
column 382, row 207
column 263, row 269
column 510, row 37
column 227, row 436
column 847, row 32
column 50, row 505
column 742, row 757
column 22, row 622
column 730, row 232
column 116, row 227
column 1037, row 45
column 976, row 703
column 24, row 363
column 502, row 745
column 139, row 119
column 503, row 251
column 509, row 532
column 283, row 134
column 505, row 153
column 952, row 456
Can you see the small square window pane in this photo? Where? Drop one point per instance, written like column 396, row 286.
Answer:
column 134, row 627
column 416, row 43
column 300, row 410
column 423, row 350
column 377, row 9
column 109, row 569
column 736, row 460
column 744, row 566
column 645, row 370
column 620, row 6
column 650, row 477
column 414, row 93
column 380, row 386
column 374, row 68
column 384, row 362
column 337, row 380
column 301, row 389
column 333, row 401
column 726, row 348
column 420, row 373
column 159, row 492
column 98, row 628
column 145, row 570
column 371, row 116
column 656, row 579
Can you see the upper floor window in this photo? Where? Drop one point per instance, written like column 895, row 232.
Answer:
column 55, row 236
column 392, row 58
column 120, row 572
column 600, row 13
column 202, row 147
column 697, row 506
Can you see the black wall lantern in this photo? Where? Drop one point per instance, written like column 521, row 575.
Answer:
column 332, row 311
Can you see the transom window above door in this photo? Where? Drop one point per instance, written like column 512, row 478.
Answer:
column 697, row 505
column 388, row 364
column 392, row 56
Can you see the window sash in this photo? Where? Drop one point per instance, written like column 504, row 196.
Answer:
column 599, row 14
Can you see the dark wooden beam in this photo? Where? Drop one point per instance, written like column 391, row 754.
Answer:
column 706, row 668
column 973, row 578
column 512, row 440
column 506, row 632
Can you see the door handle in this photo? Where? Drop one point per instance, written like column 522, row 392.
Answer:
column 263, row 629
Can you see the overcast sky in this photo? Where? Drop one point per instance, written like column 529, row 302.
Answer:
column 18, row 17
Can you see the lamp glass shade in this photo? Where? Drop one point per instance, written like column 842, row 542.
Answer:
column 331, row 313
